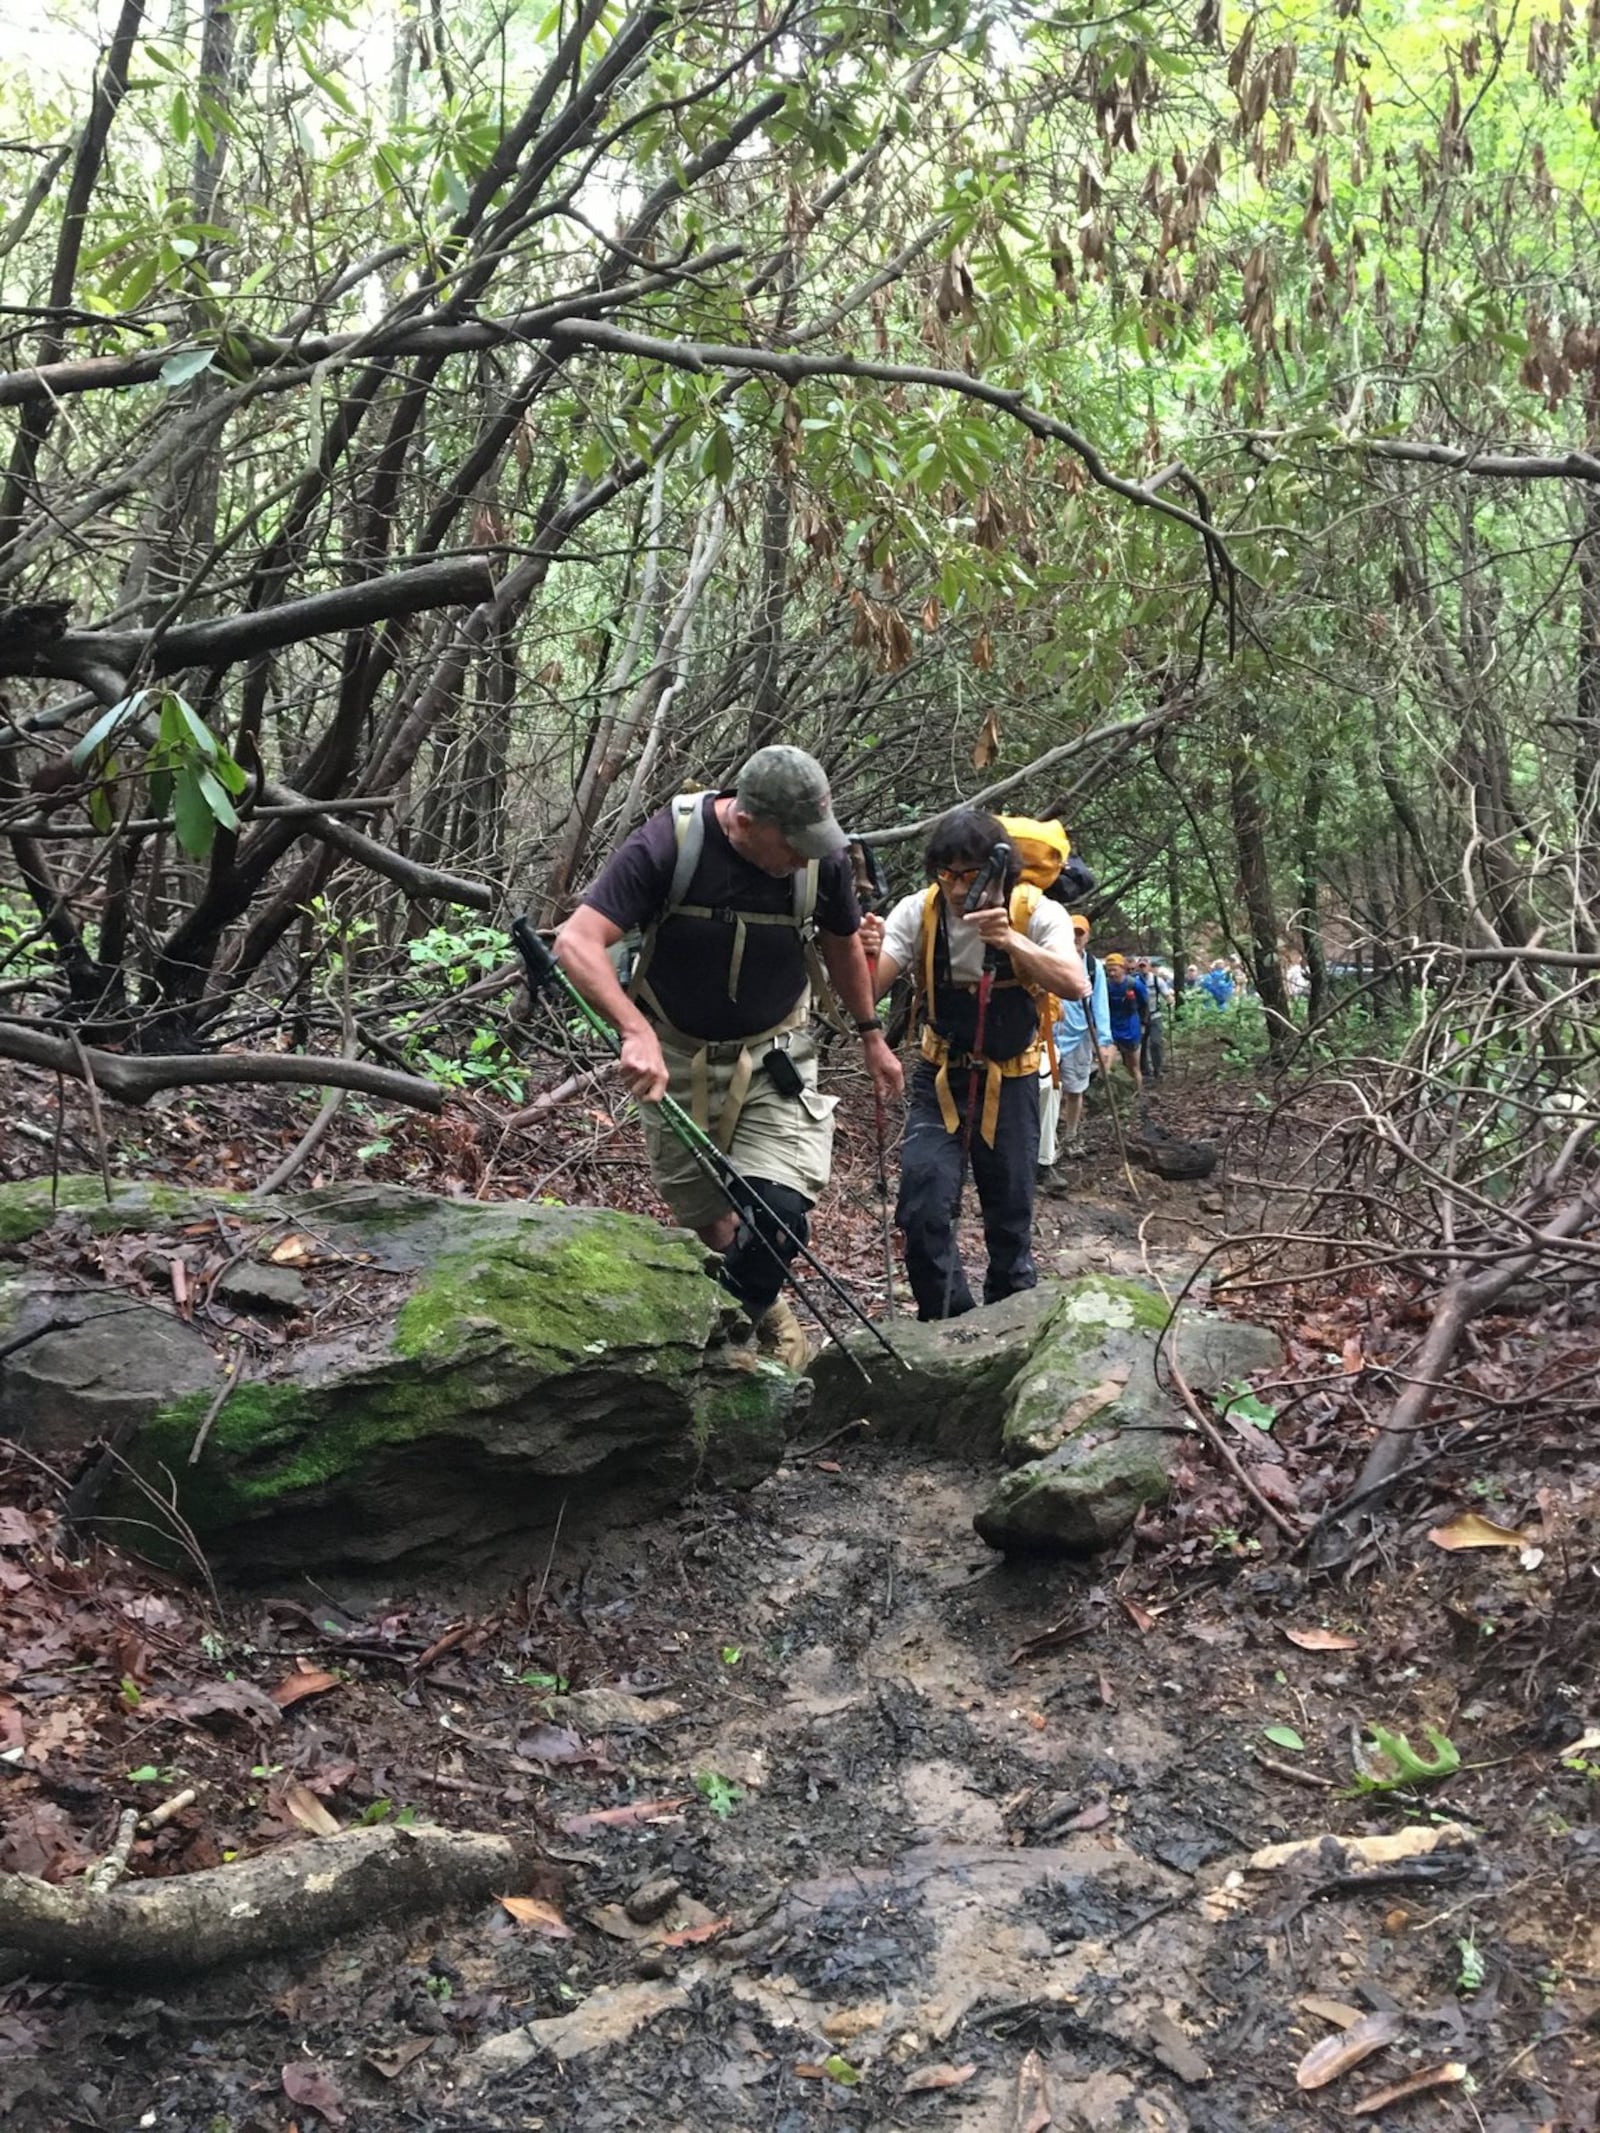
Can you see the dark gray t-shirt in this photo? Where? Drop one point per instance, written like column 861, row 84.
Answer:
column 689, row 971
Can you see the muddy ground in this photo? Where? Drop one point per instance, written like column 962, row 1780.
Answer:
column 934, row 1840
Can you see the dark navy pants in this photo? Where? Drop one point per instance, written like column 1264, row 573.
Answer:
column 931, row 1183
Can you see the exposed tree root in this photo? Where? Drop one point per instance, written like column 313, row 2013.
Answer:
column 296, row 1898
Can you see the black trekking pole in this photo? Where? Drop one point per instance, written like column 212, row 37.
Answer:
column 543, row 970
column 994, row 870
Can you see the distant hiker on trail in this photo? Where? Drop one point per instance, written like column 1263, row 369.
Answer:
column 1152, row 1050
column 1083, row 1035
column 982, row 978
column 1217, row 985
column 1129, row 1002
column 728, row 889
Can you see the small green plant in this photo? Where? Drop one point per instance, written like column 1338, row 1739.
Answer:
column 1238, row 1403
column 1387, row 1762
column 440, row 1987
column 128, row 1695
column 1471, row 1970
column 1228, row 1540
column 1283, row 1737
column 552, row 1684
column 720, row 1794
column 213, row 1644
column 732, row 1654
column 152, row 1774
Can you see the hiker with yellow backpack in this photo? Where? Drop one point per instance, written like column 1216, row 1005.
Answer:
column 990, row 957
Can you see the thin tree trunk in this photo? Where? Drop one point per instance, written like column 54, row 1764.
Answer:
column 1255, row 877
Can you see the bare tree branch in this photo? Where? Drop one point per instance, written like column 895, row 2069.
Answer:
column 135, row 1078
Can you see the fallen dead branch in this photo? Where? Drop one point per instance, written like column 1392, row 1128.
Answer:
column 134, row 1078
column 299, row 1897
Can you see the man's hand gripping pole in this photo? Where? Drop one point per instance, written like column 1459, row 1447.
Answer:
column 543, row 971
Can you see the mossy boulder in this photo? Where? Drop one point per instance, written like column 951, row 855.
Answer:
column 1090, row 1432
column 948, row 1391
column 464, row 1372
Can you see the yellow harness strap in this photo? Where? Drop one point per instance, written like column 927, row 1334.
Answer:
column 937, row 1049
column 722, row 1127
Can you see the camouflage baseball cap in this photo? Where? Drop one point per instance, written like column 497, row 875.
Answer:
column 790, row 788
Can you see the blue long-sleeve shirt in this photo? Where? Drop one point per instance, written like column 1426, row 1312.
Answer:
column 1079, row 1017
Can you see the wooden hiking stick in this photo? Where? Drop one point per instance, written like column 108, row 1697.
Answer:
column 1116, row 1120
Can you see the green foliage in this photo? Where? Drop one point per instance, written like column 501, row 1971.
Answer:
column 720, row 1794
column 1386, row 1762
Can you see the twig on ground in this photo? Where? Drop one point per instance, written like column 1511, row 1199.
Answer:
column 1225, row 1452
column 235, row 1371
column 109, row 1871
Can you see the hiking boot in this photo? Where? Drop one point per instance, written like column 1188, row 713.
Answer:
column 780, row 1333
column 1076, row 1150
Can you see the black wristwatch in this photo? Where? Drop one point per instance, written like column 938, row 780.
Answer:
column 868, row 1029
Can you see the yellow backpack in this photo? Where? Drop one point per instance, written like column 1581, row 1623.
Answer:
column 1043, row 848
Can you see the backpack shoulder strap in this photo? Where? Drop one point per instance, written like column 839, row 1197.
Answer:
column 689, row 827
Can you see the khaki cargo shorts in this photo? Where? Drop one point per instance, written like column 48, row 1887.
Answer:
column 787, row 1139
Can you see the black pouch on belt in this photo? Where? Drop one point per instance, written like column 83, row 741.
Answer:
column 786, row 1076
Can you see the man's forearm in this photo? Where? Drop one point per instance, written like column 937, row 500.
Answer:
column 851, row 973
column 590, row 968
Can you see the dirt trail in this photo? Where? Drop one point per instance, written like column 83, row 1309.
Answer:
column 915, row 1841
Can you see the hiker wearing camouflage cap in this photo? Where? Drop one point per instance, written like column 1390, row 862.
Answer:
column 746, row 910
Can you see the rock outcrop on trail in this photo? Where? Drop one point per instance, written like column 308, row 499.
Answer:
column 456, row 1372
column 1063, row 1385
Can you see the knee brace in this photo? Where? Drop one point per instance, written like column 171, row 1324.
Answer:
column 754, row 1264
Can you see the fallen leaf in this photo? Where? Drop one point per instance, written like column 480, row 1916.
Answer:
column 1322, row 1640
column 393, row 2063
column 1351, row 1357
column 16, row 1529
column 309, row 1811
column 293, row 1687
column 1090, row 1817
column 554, row 1745
column 12, row 1735
column 1334, row 2011
column 292, row 1250
column 1283, row 1737
column 1111, row 1387
column 692, row 1936
column 543, row 1917
column 937, row 2077
column 1141, row 1617
column 180, row 1286
column 313, row 2087
column 1584, row 1746
column 621, row 1817
column 1033, row 2112
column 829, row 1466
column 1336, row 2056
column 228, row 1700
column 1472, row 1530
column 1430, row 2077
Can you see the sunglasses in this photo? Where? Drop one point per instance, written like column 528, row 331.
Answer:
column 959, row 877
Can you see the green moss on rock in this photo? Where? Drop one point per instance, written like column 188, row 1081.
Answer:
column 27, row 1206
column 607, row 1286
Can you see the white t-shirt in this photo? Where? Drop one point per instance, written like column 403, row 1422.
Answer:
column 1050, row 927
